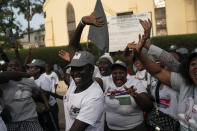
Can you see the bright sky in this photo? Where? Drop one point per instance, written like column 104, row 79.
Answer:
column 35, row 23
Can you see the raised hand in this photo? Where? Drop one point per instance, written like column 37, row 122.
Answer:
column 147, row 27
column 93, row 20
column 64, row 55
column 137, row 47
column 131, row 91
column 31, row 49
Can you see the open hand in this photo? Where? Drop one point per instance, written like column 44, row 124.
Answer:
column 64, row 55
column 93, row 20
column 137, row 47
column 31, row 49
column 131, row 91
column 147, row 27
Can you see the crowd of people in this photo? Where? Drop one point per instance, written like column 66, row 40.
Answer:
column 102, row 95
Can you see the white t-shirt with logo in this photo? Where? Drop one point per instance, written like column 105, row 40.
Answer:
column 122, row 112
column 186, row 104
column 86, row 106
column 168, row 98
column 44, row 83
column 54, row 79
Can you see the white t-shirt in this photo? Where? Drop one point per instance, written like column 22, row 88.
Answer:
column 168, row 98
column 54, row 80
column 122, row 112
column 185, row 104
column 44, row 83
column 144, row 77
column 86, row 106
column 17, row 97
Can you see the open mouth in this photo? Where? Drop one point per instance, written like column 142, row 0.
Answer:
column 102, row 71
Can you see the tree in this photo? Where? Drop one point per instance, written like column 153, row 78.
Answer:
column 29, row 8
column 7, row 19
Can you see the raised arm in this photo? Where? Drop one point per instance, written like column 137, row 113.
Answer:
column 165, row 57
column 153, row 68
column 27, row 58
column 74, row 44
column 15, row 47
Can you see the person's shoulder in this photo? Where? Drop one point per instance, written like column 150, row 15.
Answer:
column 177, row 79
column 43, row 77
column 54, row 74
column 132, row 81
column 28, row 82
column 95, row 90
column 107, row 78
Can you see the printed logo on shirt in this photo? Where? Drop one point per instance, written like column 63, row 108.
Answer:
column 52, row 78
column 66, row 98
column 121, row 95
column 74, row 111
column 165, row 102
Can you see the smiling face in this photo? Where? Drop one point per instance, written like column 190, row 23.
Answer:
column 82, row 75
column 104, row 66
column 119, row 76
column 14, row 65
column 193, row 70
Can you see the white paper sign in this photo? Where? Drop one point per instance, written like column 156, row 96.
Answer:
column 124, row 29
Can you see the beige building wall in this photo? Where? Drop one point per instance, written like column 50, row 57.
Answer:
column 181, row 16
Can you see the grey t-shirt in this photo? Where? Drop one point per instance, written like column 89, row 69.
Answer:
column 186, row 92
column 17, row 97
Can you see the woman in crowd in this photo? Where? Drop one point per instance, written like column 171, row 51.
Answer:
column 184, row 82
column 37, row 68
column 104, row 64
column 17, row 98
column 124, row 110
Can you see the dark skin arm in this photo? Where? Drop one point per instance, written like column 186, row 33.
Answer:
column 154, row 69
column 27, row 58
column 55, row 95
column 142, row 99
column 79, row 126
column 74, row 44
column 12, row 75
column 99, row 81
column 17, row 52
